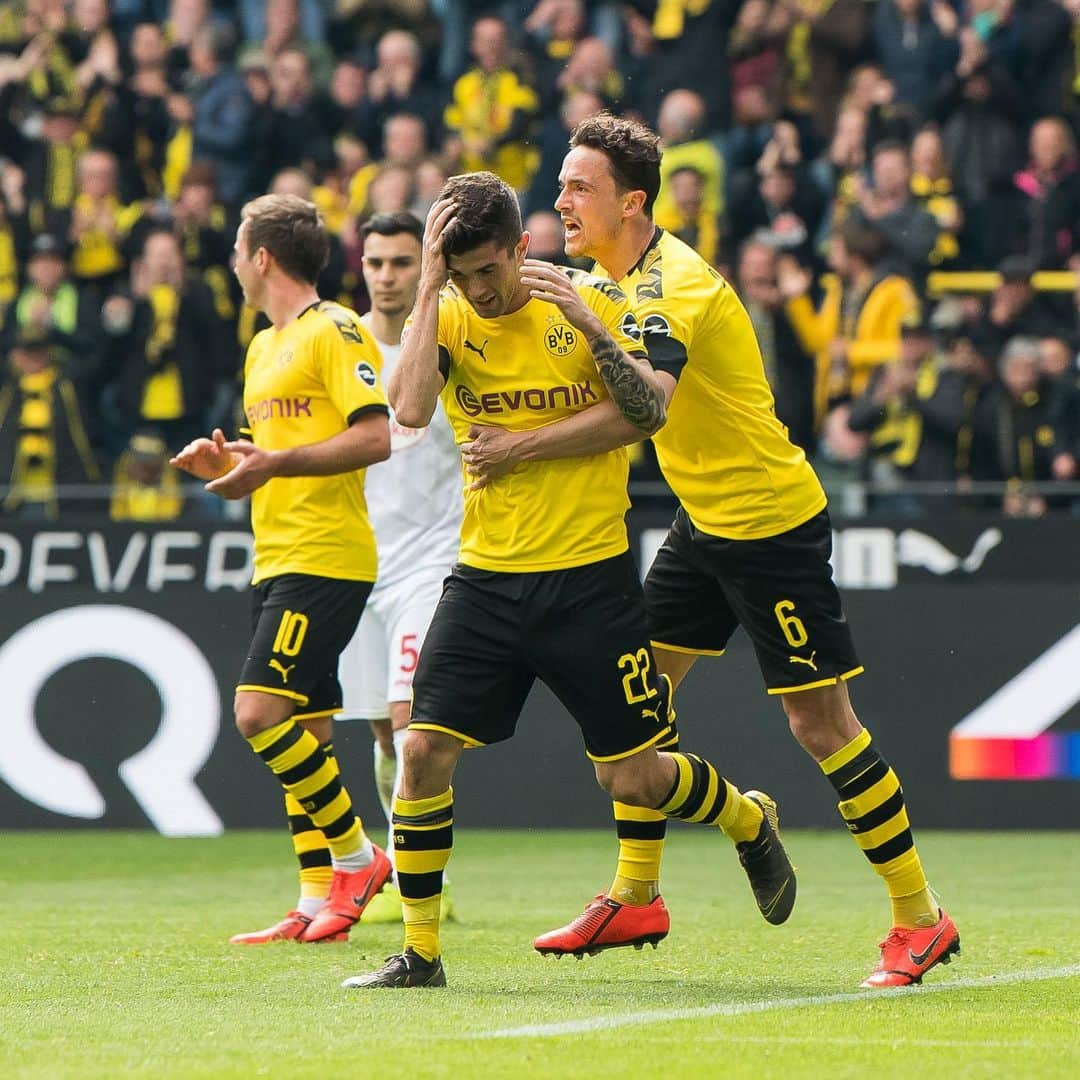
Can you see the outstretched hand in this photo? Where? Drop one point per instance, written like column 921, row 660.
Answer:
column 206, row 459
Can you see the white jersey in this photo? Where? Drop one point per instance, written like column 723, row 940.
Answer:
column 415, row 497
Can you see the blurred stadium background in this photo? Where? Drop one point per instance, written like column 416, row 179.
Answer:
column 893, row 186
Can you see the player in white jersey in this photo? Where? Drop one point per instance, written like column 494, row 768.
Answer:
column 415, row 503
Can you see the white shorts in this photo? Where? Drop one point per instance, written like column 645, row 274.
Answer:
column 377, row 666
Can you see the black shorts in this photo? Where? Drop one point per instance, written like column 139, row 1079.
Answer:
column 781, row 589
column 300, row 626
column 582, row 631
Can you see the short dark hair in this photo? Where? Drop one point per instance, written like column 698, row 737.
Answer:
column 890, row 146
column 292, row 230
column 632, row 150
column 486, row 211
column 864, row 241
column 394, row 225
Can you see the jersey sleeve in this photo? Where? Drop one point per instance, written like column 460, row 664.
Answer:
column 350, row 362
column 665, row 333
column 613, row 309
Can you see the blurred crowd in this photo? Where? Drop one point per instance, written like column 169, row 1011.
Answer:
column 832, row 158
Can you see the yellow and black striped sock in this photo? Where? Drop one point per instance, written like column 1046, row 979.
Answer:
column 872, row 805
column 423, row 837
column 311, row 776
column 641, row 847
column 312, row 850
column 701, row 795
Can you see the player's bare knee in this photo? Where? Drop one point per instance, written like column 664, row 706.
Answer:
column 427, row 764
column 821, row 720
column 258, row 712
column 631, row 781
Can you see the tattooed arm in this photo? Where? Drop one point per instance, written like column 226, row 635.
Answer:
column 635, row 388
column 631, row 382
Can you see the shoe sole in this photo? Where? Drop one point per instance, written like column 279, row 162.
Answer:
column 638, row 943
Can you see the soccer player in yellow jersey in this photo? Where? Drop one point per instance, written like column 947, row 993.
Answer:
column 546, row 586
column 750, row 544
column 316, row 418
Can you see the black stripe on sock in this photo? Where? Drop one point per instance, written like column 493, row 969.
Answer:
column 420, row 886
column 846, row 773
column 641, row 830
column 303, row 769
column 328, row 749
column 699, row 788
column 433, row 817
column 879, row 815
column 317, row 800
column 310, row 859
column 883, row 853
column 279, row 746
column 853, row 788
column 341, row 826
column 718, row 804
column 300, row 823
column 406, row 839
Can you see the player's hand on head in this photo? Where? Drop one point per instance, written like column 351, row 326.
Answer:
column 433, row 260
column 553, row 285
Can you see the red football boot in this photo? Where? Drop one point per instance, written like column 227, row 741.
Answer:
column 291, row 928
column 907, row 955
column 607, row 924
column 350, row 893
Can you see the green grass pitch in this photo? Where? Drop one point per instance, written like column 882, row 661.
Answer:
column 115, row 962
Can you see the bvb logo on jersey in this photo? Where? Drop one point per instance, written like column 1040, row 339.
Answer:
column 560, row 339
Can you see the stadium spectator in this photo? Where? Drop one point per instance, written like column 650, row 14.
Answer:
column 404, row 143
column 932, row 190
column 345, row 95
column 689, row 220
column 492, row 110
column 293, row 25
column 144, row 488
column 857, row 325
column 912, row 410
column 297, row 135
column 14, row 230
column 1058, row 364
column 545, row 236
column 680, row 47
column 100, row 222
column 202, row 225
column 888, row 205
column 144, row 98
column 591, row 68
column 916, row 43
column 50, row 167
column 1015, row 309
column 836, row 171
column 166, row 351
column 51, row 304
column 552, row 30
column 43, row 440
column 395, row 86
column 789, row 367
column 1014, row 437
column 824, row 40
column 223, row 125
column 681, row 128
column 1046, row 216
column 554, row 136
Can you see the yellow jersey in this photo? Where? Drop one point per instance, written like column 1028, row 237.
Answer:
column 723, row 451
column 519, row 372
column 304, row 384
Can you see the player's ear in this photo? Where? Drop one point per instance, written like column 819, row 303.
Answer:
column 634, row 203
column 522, row 247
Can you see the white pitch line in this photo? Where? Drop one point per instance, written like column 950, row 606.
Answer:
column 654, row 1016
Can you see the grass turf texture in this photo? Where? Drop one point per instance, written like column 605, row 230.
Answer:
column 116, row 962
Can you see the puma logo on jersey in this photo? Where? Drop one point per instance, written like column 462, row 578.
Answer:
column 654, row 713
column 800, row 660
column 478, row 350
column 282, row 671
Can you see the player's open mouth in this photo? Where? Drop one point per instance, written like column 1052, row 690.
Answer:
column 571, row 228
